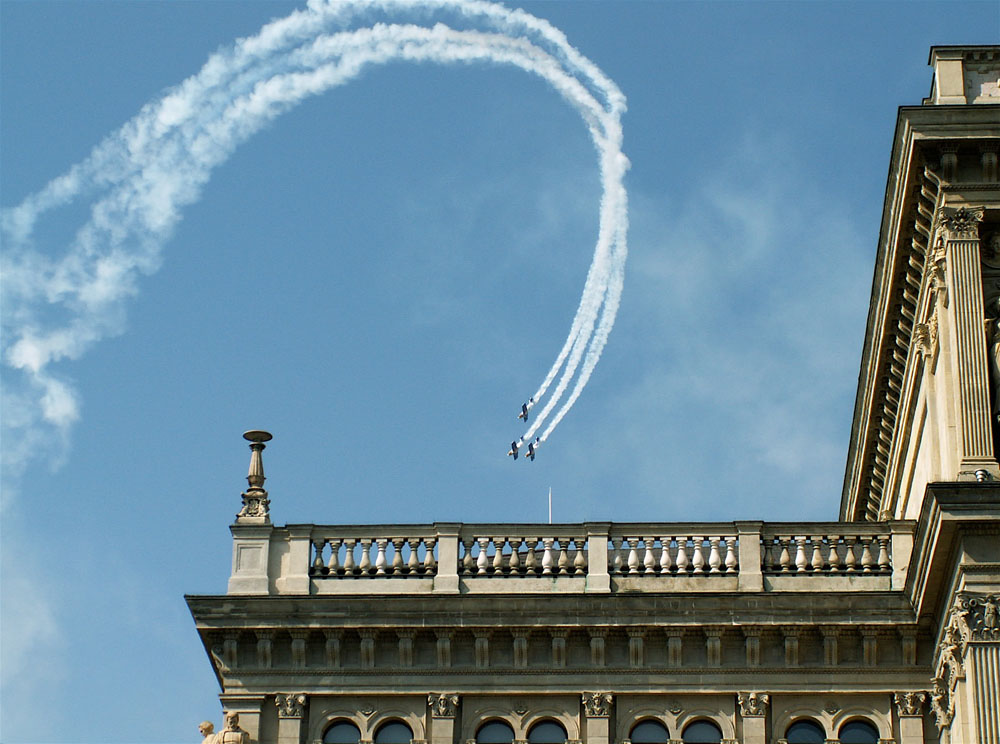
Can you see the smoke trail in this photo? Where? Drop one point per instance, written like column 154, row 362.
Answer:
column 140, row 177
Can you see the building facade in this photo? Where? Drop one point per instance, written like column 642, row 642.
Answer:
column 881, row 627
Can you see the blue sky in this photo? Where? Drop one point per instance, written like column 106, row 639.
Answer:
column 383, row 274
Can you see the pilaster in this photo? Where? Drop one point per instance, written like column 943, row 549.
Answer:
column 291, row 717
column 248, row 707
column 443, row 707
column 909, row 710
column 753, row 710
column 597, row 712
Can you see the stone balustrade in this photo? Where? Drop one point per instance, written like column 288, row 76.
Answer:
column 585, row 557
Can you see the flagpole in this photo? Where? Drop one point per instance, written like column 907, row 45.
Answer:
column 550, row 504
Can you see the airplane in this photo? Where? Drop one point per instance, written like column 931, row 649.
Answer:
column 532, row 446
column 525, row 407
column 513, row 449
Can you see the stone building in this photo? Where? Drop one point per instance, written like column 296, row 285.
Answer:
column 881, row 627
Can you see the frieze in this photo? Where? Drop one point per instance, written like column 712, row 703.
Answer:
column 443, row 704
column 910, row 703
column 597, row 704
column 753, row 703
column 290, row 706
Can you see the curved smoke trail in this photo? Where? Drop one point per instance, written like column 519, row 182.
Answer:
column 141, row 176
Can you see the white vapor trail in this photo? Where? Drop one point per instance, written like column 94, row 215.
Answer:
column 136, row 182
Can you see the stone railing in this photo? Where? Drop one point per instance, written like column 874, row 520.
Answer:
column 584, row 557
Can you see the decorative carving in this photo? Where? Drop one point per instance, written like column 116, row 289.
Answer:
column 367, row 709
column 674, row 707
column 232, row 733
column 961, row 223
column 255, row 501
column 942, row 705
column 520, row 707
column 290, row 706
column 910, row 703
column 443, row 704
column 925, row 338
column 754, row 703
column 937, row 261
column 831, row 707
column 597, row 704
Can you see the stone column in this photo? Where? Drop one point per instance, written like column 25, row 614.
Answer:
column 446, row 579
column 960, row 228
column 749, row 578
column 598, row 579
column 753, row 710
column 291, row 716
column 909, row 708
column 597, row 710
column 443, row 707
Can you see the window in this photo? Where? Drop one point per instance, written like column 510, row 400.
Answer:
column 805, row 732
column 858, row 732
column 342, row 732
column 393, row 732
column 649, row 732
column 547, row 732
column 702, row 732
column 495, row 732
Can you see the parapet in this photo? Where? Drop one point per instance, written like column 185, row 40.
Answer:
column 964, row 75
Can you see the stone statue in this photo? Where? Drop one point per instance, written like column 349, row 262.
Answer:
column 994, row 339
column 991, row 621
column 207, row 730
column 232, row 733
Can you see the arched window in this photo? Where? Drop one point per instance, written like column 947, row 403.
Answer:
column 495, row 732
column 393, row 732
column 858, row 732
column 805, row 732
column 702, row 732
column 649, row 732
column 547, row 732
column 342, row 732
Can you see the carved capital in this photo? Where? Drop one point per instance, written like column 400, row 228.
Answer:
column 961, row 223
column 910, row 703
column 443, row 704
column 291, row 706
column 753, row 703
column 597, row 704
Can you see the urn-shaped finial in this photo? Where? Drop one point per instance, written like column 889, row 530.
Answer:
column 255, row 501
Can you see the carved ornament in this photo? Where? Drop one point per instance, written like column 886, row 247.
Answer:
column 754, row 703
column 443, row 704
column 910, row 703
column 961, row 223
column 290, row 706
column 942, row 705
column 367, row 709
column 597, row 704
column 674, row 707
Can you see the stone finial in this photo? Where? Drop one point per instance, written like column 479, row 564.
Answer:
column 255, row 501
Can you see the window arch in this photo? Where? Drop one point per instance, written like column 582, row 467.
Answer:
column 649, row 732
column 805, row 731
column 858, row 731
column 341, row 732
column 393, row 732
column 547, row 732
column 702, row 732
column 495, row 732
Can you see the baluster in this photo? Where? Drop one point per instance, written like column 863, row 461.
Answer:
column 514, row 564
column 531, row 559
column 648, row 561
column 850, row 559
column 665, row 562
column 682, row 556
column 785, row 560
column 498, row 544
column 482, row 560
column 468, row 566
column 817, row 556
column 333, row 567
column 867, row 561
column 317, row 564
column 731, row 562
column 380, row 561
column 366, row 556
column 397, row 556
column 430, row 563
column 767, row 561
column 697, row 559
column 633, row 556
column 616, row 560
column 883, row 553
column 833, row 557
column 801, row 564
column 547, row 559
column 413, row 564
column 580, row 559
column 714, row 559
column 563, row 563
column 349, row 566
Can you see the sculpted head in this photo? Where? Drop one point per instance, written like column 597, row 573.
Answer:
column 232, row 720
column 206, row 728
